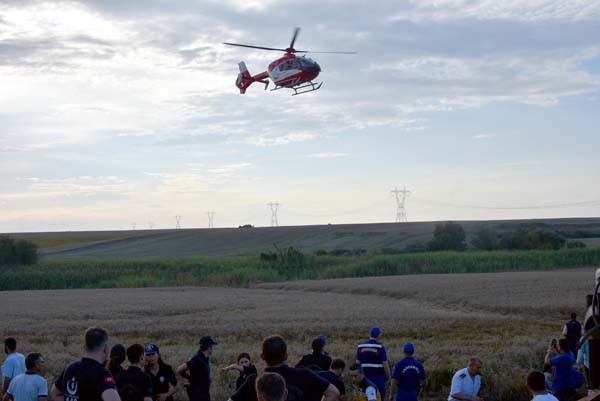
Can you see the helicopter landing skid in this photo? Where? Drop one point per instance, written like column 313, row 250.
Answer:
column 298, row 90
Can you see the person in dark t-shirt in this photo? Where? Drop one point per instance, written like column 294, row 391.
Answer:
column 317, row 360
column 118, row 354
column 244, row 366
column 197, row 371
column 335, row 375
column 271, row 387
column 163, row 377
column 302, row 384
column 134, row 384
column 87, row 379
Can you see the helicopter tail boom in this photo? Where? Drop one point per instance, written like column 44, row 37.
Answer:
column 244, row 79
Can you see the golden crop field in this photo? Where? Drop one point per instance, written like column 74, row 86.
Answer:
column 505, row 318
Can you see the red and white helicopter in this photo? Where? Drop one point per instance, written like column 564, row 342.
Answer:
column 289, row 71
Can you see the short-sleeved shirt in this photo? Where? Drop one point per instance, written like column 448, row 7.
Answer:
column 316, row 362
column 332, row 378
column 134, row 384
column 162, row 379
column 544, row 397
column 302, row 385
column 199, row 367
column 409, row 372
column 28, row 386
column 248, row 370
column 84, row 380
column 366, row 391
column 14, row 365
column 562, row 371
column 371, row 355
column 463, row 383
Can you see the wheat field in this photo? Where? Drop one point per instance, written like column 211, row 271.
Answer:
column 507, row 319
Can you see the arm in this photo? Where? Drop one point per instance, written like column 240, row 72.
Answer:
column 331, row 393
column 233, row 366
column 111, row 395
column 56, row 394
column 390, row 393
column 184, row 370
column 386, row 368
column 5, row 385
column 7, row 397
column 564, row 330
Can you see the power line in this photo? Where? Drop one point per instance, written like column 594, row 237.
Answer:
column 274, row 206
column 518, row 207
column 400, row 201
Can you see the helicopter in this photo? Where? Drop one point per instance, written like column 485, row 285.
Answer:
column 289, row 71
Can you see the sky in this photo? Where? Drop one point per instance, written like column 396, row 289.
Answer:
column 124, row 114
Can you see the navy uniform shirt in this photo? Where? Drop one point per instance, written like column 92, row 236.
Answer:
column 164, row 377
column 199, row 367
column 371, row 356
column 84, row 380
column 409, row 372
column 302, row 385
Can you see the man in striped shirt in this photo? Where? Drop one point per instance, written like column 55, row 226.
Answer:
column 372, row 357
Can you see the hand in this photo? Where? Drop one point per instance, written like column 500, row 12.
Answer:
column 162, row 397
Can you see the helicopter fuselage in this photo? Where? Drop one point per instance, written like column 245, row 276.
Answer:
column 289, row 70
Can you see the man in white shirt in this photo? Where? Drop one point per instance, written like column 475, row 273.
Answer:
column 467, row 382
column 536, row 383
column 29, row 386
column 14, row 364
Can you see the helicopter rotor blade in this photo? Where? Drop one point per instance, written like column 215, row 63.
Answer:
column 310, row 51
column 254, row 47
column 294, row 36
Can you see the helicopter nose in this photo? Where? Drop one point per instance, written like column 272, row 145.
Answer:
column 313, row 68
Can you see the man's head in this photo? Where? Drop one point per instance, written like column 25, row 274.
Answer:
column 337, row 367
column 135, row 354
column 408, row 349
column 536, row 381
column 317, row 345
column 475, row 366
column 355, row 371
column 96, row 341
column 34, row 362
column 206, row 345
column 376, row 332
column 563, row 345
column 573, row 316
column 271, row 387
column 10, row 345
column 274, row 351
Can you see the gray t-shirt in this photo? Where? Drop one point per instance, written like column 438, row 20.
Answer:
column 28, row 387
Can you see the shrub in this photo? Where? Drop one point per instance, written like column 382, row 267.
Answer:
column 448, row 237
column 485, row 239
column 19, row 252
column 532, row 238
column 575, row 244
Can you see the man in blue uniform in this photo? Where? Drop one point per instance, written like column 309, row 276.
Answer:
column 197, row 371
column 372, row 357
column 408, row 376
column 573, row 330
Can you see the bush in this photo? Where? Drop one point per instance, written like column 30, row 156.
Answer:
column 19, row 252
column 532, row 238
column 448, row 237
column 485, row 239
column 575, row 244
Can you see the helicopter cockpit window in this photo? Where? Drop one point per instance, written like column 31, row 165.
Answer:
column 306, row 62
column 289, row 65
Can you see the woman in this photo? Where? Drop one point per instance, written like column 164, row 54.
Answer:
column 115, row 360
column 244, row 366
column 163, row 377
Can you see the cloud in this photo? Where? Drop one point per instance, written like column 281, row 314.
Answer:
column 483, row 136
column 331, row 155
column 523, row 163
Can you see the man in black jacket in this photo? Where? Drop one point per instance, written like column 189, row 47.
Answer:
column 134, row 384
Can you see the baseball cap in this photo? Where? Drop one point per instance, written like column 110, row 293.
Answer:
column 323, row 337
column 375, row 332
column 207, row 341
column 118, row 350
column 151, row 349
column 408, row 348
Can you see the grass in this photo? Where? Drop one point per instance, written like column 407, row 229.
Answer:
column 244, row 271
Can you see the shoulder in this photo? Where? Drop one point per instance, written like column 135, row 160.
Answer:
column 460, row 375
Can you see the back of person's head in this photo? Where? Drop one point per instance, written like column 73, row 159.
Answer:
column 10, row 343
column 338, row 364
column 135, row 352
column 95, row 339
column 271, row 387
column 274, row 350
column 563, row 345
column 32, row 359
column 317, row 345
column 573, row 316
column 536, row 380
column 355, row 367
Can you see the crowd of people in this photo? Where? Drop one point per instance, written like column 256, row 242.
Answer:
column 99, row 375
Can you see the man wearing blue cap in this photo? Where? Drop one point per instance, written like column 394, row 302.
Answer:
column 197, row 371
column 408, row 376
column 372, row 358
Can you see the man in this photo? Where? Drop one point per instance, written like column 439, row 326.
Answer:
column 335, row 375
column 372, row 357
column 14, row 364
column 197, row 371
column 87, row 379
column 29, row 386
column 583, row 358
column 573, row 330
column 466, row 383
column 536, row 383
column 562, row 360
column 134, row 384
column 363, row 389
column 302, row 384
column 271, row 387
column 408, row 376
column 317, row 360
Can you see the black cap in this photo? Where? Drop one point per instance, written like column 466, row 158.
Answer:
column 207, row 341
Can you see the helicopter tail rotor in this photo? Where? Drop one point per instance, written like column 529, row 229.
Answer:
column 244, row 79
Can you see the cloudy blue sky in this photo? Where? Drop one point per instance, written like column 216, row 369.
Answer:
column 121, row 112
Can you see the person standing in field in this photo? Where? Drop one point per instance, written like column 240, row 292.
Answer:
column 466, row 383
column 536, row 383
column 408, row 376
column 244, row 366
column 363, row 389
column 14, row 364
column 164, row 382
column 302, row 384
column 562, row 360
column 31, row 385
column 271, row 387
column 573, row 330
column 317, row 360
column 335, row 375
column 118, row 354
column 87, row 379
column 197, row 371
column 134, row 384
column 372, row 357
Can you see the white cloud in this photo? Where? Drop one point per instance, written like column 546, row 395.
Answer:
column 483, row 136
column 331, row 155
